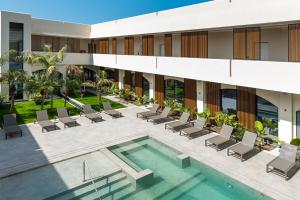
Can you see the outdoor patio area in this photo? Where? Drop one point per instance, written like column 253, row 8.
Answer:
column 36, row 149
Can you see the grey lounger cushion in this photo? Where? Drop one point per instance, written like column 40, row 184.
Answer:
column 90, row 113
column 63, row 116
column 108, row 110
column 43, row 120
column 197, row 128
column 10, row 125
column 151, row 112
column 224, row 137
column 179, row 123
column 283, row 163
column 163, row 116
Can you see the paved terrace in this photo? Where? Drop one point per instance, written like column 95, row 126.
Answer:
column 36, row 148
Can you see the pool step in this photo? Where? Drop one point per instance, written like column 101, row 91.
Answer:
column 182, row 188
column 106, row 186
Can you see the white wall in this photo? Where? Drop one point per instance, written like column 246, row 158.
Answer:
column 220, row 44
column 138, row 45
column 158, row 40
column 209, row 15
column 120, row 46
column 200, row 96
column 176, row 45
column 59, row 28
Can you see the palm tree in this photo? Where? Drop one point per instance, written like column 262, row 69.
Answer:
column 49, row 60
column 41, row 84
column 101, row 81
column 11, row 77
column 72, row 79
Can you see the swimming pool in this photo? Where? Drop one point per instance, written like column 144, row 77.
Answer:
column 172, row 181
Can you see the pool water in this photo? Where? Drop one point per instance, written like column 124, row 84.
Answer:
column 171, row 181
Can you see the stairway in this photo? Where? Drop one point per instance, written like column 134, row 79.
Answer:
column 110, row 187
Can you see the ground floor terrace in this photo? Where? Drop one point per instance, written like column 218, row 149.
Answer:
column 249, row 104
column 35, row 149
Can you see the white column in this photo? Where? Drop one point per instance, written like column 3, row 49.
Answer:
column 200, row 96
column 151, row 86
column 285, row 112
column 121, row 79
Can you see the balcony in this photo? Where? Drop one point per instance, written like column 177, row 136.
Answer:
column 268, row 75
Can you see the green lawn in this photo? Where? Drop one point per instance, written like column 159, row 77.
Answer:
column 91, row 99
column 26, row 110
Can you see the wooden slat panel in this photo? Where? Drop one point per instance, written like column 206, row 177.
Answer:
column 246, row 106
column 104, row 46
column 168, row 45
column 56, row 44
column 36, row 42
column 150, row 45
column 294, row 42
column 114, row 46
column 144, row 45
column 127, row 80
column 212, row 97
column 253, row 43
column 159, row 89
column 239, row 43
column 203, row 44
column 130, row 46
column 190, row 93
column 193, row 45
column 185, row 47
column 116, row 78
column 126, row 46
column 139, row 84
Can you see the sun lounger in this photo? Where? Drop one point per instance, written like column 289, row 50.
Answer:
column 151, row 112
column 243, row 147
column 10, row 125
column 162, row 117
column 221, row 139
column 198, row 127
column 183, row 121
column 63, row 116
column 283, row 163
column 91, row 114
column 108, row 110
column 43, row 120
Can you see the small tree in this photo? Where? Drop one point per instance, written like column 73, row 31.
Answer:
column 11, row 78
column 49, row 60
column 72, row 80
column 101, row 81
column 40, row 84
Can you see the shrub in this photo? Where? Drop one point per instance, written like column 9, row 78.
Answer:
column 37, row 98
column 153, row 101
column 206, row 113
column 296, row 141
column 174, row 105
column 2, row 99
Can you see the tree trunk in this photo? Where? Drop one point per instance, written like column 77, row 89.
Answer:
column 12, row 102
column 51, row 100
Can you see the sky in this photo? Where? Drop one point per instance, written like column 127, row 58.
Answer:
column 90, row 11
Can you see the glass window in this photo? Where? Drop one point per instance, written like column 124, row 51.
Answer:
column 16, row 45
column 89, row 75
column 145, row 87
column 298, row 123
column 110, row 74
column 174, row 90
column 265, row 109
column 133, row 82
column 228, row 101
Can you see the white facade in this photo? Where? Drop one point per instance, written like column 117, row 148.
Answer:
column 275, row 79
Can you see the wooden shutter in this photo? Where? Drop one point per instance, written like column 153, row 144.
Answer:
column 168, row 45
column 148, row 45
column 239, row 43
column 185, row 45
column 116, row 78
column 36, row 42
column 104, row 46
column 159, row 89
column 129, row 45
column 212, row 97
column 253, row 43
column 127, row 80
column 144, row 45
column 294, row 42
column 203, row 44
column 139, row 84
column 190, row 93
column 114, row 46
column 246, row 106
column 193, row 44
